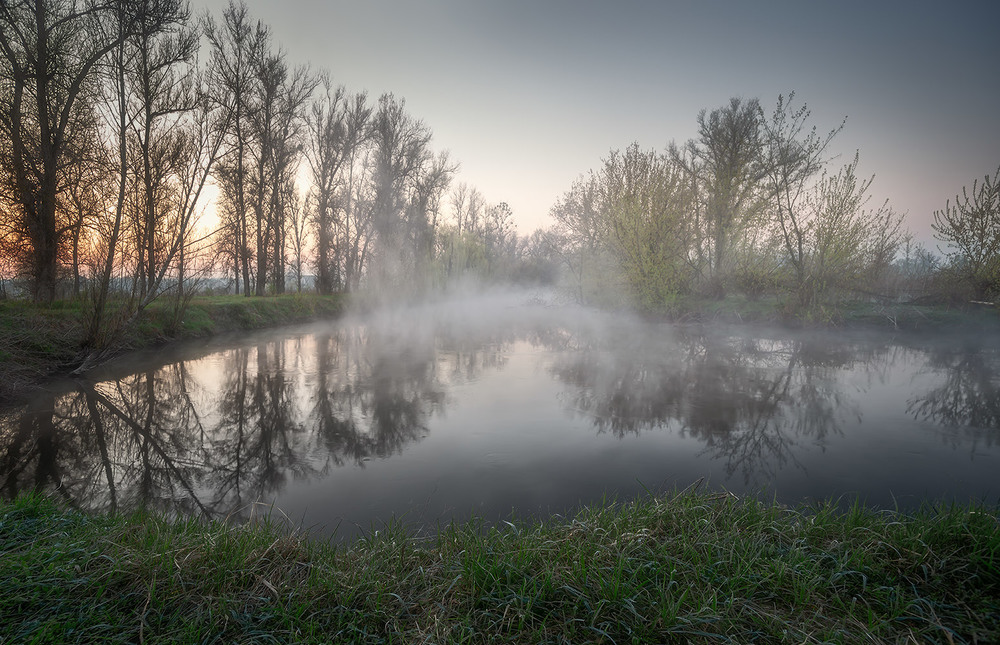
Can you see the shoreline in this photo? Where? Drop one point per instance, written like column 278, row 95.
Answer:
column 39, row 346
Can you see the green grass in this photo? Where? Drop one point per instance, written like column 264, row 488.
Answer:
column 37, row 343
column 689, row 567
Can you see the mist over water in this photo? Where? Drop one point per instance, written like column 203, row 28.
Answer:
column 502, row 402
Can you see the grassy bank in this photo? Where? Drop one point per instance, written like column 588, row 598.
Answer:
column 686, row 568
column 37, row 343
column 773, row 310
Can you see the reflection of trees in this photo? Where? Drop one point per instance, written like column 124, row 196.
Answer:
column 373, row 395
column 209, row 437
column 101, row 440
column 257, row 442
column 968, row 395
column 32, row 450
column 748, row 400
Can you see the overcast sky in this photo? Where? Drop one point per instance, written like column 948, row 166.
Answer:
column 528, row 94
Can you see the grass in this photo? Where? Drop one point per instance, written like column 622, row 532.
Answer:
column 687, row 567
column 37, row 343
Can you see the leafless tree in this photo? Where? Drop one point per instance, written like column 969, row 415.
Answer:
column 338, row 127
column 276, row 126
column 238, row 46
column 50, row 50
column 726, row 163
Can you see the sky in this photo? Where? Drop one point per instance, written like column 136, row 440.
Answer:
column 527, row 95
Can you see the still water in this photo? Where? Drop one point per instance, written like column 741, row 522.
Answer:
column 505, row 405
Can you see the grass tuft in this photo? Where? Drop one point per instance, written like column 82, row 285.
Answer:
column 689, row 567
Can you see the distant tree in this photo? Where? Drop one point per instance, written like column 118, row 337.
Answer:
column 297, row 222
column 400, row 153
column 916, row 269
column 578, row 241
column 645, row 199
column 499, row 236
column 467, row 205
column 971, row 228
column 848, row 246
column 423, row 211
column 727, row 163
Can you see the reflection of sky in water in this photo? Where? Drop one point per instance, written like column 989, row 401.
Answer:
column 352, row 424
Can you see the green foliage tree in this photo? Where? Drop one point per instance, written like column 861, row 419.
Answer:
column 645, row 200
column 845, row 245
column 971, row 228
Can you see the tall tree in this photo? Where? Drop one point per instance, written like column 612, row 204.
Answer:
column 337, row 128
column 166, row 146
column 727, row 163
column 645, row 200
column 401, row 148
column 794, row 155
column 161, row 93
column 238, row 47
column 276, row 126
column 50, row 49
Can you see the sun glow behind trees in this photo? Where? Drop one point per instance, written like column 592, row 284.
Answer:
column 141, row 132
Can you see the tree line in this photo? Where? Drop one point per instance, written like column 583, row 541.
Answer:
column 755, row 205
column 116, row 126
column 118, row 118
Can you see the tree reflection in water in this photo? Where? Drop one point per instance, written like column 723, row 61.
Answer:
column 748, row 400
column 967, row 397
column 198, row 437
column 215, row 434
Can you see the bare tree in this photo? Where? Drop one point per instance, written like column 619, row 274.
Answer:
column 237, row 48
column 297, row 222
column 338, row 127
column 276, row 125
column 167, row 140
column 160, row 82
column 50, row 49
column 137, row 28
column 794, row 154
column 726, row 162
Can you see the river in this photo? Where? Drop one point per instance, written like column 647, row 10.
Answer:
column 505, row 406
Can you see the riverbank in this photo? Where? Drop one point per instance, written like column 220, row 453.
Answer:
column 773, row 310
column 40, row 343
column 687, row 567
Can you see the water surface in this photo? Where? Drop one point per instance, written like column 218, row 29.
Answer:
column 506, row 405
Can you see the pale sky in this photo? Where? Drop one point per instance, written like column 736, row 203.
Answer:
column 528, row 94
